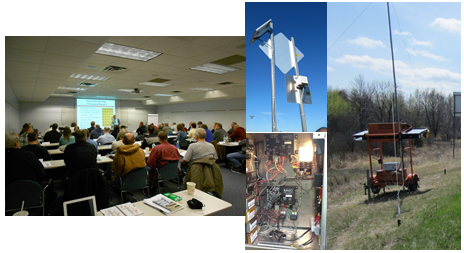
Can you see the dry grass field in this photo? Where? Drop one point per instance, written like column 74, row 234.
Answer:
column 430, row 216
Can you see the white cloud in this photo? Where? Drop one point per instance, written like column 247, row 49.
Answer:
column 366, row 42
column 401, row 33
column 426, row 54
column 329, row 69
column 451, row 25
column 421, row 43
column 409, row 79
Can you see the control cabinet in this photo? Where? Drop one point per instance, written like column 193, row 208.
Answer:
column 286, row 179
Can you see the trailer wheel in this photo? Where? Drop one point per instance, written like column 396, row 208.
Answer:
column 414, row 185
column 375, row 190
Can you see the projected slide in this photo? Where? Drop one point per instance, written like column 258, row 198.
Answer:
column 100, row 111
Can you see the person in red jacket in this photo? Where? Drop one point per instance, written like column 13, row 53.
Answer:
column 238, row 134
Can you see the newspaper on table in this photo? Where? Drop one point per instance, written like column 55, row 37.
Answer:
column 126, row 209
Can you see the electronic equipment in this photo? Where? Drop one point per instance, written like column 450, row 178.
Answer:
column 286, row 193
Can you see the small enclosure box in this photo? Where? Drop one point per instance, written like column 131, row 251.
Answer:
column 391, row 166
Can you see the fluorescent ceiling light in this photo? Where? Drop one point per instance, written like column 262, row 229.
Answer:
column 155, row 84
column 126, row 52
column 214, row 68
column 104, row 97
column 163, row 95
column 63, row 95
column 71, row 88
column 130, row 90
column 90, row 77
column 141, row 98
column 201, row 89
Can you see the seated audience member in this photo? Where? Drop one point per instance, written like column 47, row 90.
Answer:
column 142, row 129
column 239, row 133
column 183, row 125
column 50, row 129
column 180, row 132
column 128, row 156
column 119, row 141
column 190, row 127
column 199, row 149
column 115, row 131
column 97, row 132
column 159, row 129
column 39, row 151
column 67, row 137
column 27, row 129
column 219, row 133
column 236, row 157
column 87, row 134
column 166, row 128
column 106, row 138
column 173, row 126
column 209, row 135
column 150, row 139
column 75, row 128
column 191, row 133
column 80, row 155
column 122, row 127
column 232, row 129
column 199, row 123
column 53, row 136
column 161, row 154
column 21, row 164
column 92, row 126
column 214, row 128
column 73, row 125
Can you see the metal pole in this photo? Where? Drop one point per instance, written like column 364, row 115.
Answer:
column 274, row 124
column 251, row 123
column 454, row 123
column 368, row 186
column 396, row 94
column 302, row 113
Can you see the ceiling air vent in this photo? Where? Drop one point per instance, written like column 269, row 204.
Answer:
column 113, row 69
column 225, row 83
column 88, row 84
column 176, row 91
column 72, row 92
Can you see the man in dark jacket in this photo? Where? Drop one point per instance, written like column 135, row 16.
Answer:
column 150, row 139
column 53, row 136
column 21, row 164
column 39, row 151
column 92, row 126
column 80, row 155
column 97, row 132
column 142, row 129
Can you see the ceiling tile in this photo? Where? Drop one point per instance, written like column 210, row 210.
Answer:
column 31, row 43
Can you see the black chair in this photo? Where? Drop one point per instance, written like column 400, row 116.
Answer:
column 134, row 180
column 183, row 143
column 28, row 191
column 168, row 172
column 86, row 183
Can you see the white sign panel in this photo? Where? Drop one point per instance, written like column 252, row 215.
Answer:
column 283, row 56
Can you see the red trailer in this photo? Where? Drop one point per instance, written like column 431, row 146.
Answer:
column 391, row 173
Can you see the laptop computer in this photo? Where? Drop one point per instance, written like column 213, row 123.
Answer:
column 80, row 207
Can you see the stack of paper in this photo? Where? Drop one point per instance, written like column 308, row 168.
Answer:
column 163, row 204
column 127, row 209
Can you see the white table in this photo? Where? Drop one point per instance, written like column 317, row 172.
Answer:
column 212, row 205
column 60, row 163
column 50, row 145
column 147, row 154
column 191, row 140
column 59, row 152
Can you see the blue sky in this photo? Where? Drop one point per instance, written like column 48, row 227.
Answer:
column 426, row 42
column 306, row 23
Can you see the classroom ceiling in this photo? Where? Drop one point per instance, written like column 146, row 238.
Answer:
column 37, row 66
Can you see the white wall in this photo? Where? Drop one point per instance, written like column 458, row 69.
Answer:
column 221, row 111
column 62, row 111
column 12, row 121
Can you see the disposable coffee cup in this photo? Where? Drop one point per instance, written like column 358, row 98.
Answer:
column 147, row 150
column 191, row 187
column 21, row 213
column 99, row 156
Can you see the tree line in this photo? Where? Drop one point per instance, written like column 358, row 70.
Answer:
column 351, row 110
